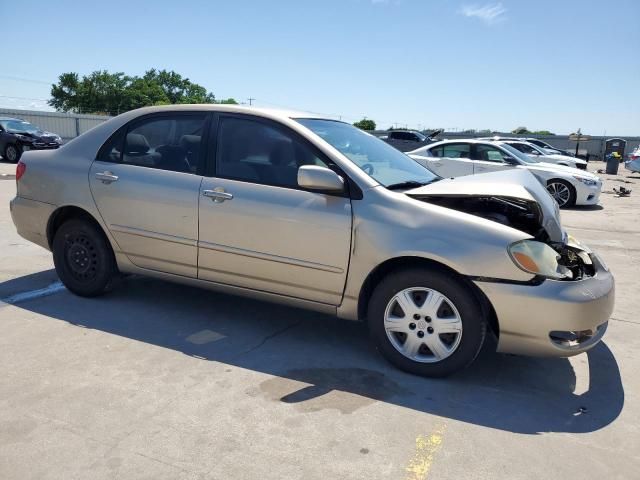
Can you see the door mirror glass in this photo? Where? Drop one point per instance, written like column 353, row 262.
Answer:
column 314, row 177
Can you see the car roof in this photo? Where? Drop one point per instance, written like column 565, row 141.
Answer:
column 465, row 140
column 275, row 113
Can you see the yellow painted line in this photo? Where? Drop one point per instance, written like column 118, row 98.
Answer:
column 426, row 449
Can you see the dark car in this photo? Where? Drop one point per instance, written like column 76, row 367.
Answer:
column 406, row 140
column 16, row 136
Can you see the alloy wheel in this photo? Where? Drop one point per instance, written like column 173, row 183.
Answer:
column 560, row 192
column 11, row 153
column 423, row 324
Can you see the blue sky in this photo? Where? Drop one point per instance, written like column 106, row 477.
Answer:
column 544, row 64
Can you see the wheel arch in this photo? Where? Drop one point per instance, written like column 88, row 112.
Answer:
column 405, row 262
column 68, row 212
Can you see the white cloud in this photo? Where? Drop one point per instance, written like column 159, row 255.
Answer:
column 490, row 13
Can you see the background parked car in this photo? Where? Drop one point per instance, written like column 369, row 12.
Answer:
column 405, row 140
column 538, row 153
column 17, row 136
column 548, row 149
column 633, row 163
column 455, row 158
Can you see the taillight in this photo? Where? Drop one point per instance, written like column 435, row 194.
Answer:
column 20, row 169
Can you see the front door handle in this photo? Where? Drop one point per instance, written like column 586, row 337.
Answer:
column 218, row 195
column 106, row 177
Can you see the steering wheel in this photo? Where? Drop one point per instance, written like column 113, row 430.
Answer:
column 368, row 168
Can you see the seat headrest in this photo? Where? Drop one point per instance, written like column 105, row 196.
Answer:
column 136, row 144
column 190, row 142
column 281, row 154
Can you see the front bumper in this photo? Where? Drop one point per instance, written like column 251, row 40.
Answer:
column 31, row 219
column 39, row 146
column 554, row 318
column 588, row 194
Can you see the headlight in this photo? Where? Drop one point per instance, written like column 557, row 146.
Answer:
column 539, row 259
column 587, row 181
column 24, row 138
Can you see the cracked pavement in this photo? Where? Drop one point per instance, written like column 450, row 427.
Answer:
column 158, row 380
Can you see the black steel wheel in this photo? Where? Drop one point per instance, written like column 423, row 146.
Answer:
column 83, row 258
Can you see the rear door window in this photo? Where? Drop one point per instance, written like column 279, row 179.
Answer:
column 168, row 142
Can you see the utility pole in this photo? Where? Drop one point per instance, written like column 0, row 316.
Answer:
column 578, row 141
column 250, row 101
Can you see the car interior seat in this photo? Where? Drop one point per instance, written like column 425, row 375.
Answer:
column 136, row 151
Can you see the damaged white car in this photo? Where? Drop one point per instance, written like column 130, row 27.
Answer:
column 314, row 213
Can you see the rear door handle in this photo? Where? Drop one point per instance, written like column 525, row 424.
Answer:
column 106, row 177
column 217, row 195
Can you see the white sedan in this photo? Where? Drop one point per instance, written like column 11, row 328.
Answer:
column 537, row 153
column 455, row 158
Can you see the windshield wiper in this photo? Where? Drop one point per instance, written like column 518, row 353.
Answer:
column 407, row 184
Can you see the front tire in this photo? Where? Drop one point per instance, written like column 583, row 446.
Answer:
column 426, row 322
column 83, row 258
column 12, row 153
column 562, row 192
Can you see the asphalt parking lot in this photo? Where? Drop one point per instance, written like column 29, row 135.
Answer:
column 158, row 380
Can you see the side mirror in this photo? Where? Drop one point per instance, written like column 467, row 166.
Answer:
column 314, row 177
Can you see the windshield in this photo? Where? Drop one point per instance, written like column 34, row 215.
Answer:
column 527, row 148
column 420, row 136
column 518, row 154
column 18, row 126
column 376, row 158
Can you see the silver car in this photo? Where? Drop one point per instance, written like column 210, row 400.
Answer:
column 317, row 214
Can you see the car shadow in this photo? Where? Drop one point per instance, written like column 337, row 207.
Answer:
column 584, row 208
column 320, row 362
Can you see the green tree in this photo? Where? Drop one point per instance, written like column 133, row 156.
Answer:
column 543, row 132
column 365, row 124
column 114, row 93
column 520, row 131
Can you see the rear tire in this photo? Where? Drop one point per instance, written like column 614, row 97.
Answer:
column 12, row 153
column 83, row 258
column 442, row 330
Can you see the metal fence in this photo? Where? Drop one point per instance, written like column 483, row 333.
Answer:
column 594, row 147
column 67, row 125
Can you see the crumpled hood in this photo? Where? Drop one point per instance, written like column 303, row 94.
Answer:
column 516, row 184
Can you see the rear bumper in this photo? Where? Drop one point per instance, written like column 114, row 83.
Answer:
column 632, row 165
column 31, row 218
column 555, row 318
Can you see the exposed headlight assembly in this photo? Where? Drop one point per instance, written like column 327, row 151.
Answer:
column 587, row 181
column 539, row 259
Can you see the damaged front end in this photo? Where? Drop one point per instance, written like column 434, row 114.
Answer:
column 519, row 201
